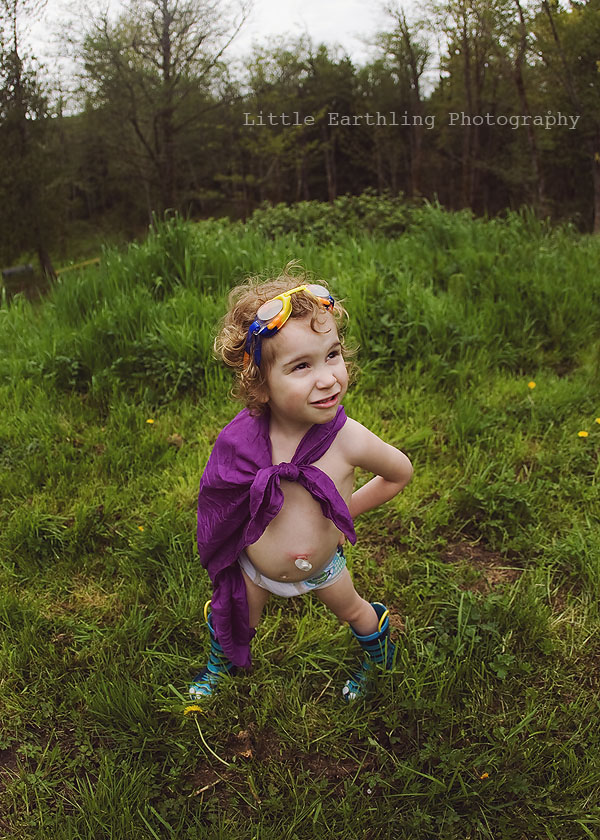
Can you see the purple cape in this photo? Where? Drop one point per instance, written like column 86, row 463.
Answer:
column 240, row 493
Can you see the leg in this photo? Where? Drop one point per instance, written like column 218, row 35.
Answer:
column 257, row 598
column 344, row 601
column 369, row 624
column 207, row 681
column 218, row 666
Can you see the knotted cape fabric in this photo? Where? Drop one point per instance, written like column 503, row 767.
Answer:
column 240, row 493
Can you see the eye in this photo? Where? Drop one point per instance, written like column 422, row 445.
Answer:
column 301, row 366
column 333, row 354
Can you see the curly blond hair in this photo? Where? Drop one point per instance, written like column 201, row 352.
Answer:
column 244, row 301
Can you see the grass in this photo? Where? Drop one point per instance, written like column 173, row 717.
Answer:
column 490, row 559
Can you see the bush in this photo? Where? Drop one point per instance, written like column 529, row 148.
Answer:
column 348, row 215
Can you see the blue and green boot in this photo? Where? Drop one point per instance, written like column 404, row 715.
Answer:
column 218, row 666
column 379, row 650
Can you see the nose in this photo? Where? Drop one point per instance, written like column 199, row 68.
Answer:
column 325, row 379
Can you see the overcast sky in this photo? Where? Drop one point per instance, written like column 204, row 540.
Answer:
column 346, row 22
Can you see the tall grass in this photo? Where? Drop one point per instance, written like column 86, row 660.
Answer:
column 452, row 293
column 487, row 727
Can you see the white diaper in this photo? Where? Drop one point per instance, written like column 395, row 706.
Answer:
column 324, row 578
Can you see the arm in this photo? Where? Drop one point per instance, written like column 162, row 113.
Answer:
column 392, row 469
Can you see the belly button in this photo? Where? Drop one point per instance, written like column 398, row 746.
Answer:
column 302, row 564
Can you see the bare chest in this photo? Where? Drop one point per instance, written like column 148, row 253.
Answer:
column 300, row 528
column 333, row 462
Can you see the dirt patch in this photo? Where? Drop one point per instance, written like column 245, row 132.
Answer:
column 383, row 537
column 490, row 567
column 565, row 367
column 8, row 766
column 265, row 745
column 558, row 600
column 252, row 748
column 397, row 623
column 384, row 544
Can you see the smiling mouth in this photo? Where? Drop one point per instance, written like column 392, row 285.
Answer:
column 327, row 400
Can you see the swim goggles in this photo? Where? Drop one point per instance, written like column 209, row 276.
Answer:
column 273, row 314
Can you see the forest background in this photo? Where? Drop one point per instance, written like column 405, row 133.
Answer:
column 162, row 120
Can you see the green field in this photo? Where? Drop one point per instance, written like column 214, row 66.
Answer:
column 111, row 401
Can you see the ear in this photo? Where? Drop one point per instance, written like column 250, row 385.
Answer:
column 263, row 395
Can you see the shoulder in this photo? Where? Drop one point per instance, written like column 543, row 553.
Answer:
column 242, row 418
column 240, row 450
column 366, row 450
column 242, row 426
column 354, row 439
column 241, row 441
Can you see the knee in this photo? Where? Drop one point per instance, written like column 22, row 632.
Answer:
column 355, row 611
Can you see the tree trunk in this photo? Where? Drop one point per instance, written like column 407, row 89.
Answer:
column 165, row 120
column 595, row 155
column 379, row 165
column 329, row 156
column 538, row 180
column 594, row 144
column 414, row 54
column 416, row 159
column 45, row 261
column 46, row 266
column 168, row 162
column 467, row 132
column 302, row 192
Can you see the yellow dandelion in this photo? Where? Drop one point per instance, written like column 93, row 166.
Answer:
column 582, row 434
column 150, row 420
column 597, row 419
column 189, row 709
column 531, row 385
column 140, row 527
column 484, row 776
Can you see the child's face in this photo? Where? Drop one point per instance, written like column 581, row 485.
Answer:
column 307, row 379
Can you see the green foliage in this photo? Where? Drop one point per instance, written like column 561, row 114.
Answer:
column 383, row 215
column 487, row 728
column 510, row 122
column 464, row 294
column 26, row 205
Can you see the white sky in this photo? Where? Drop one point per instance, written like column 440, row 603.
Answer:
column 349, row 23
column 346, row 22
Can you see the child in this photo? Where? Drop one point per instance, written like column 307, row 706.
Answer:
column 276, row 498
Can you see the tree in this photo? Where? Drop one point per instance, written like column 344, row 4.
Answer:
column 471, row 33
column 521, row 51
column 302, row 154
column 148, row 70
column 409, row 52
column 329, row 88
column 23, row 163
column 567, row 42
column 276, row 157
column 383, row 156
